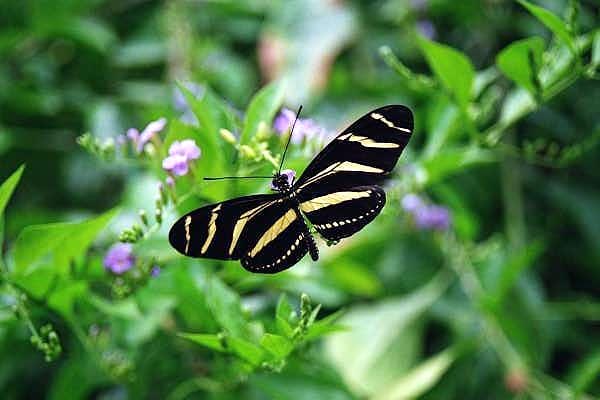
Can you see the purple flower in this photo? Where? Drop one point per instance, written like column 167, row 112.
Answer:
column 426, row 28
column 149, row 131
column 155, row 271
column 133, row 134
column 180, row 154
column 432, row 217
column 284, row 120
column 426, row 216
column 411, row 202
column 170, row 181
column 119, row 258
column 305, row 129
column 176, row 164
column 140, row 139
column 185, row 148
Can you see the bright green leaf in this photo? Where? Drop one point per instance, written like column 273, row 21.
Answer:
column 452, row 68
column 515, row 61
column 453, row 160
column 8, row 186
column 211, row 341
column 262, row 107
column 246, row 350
column 64, row 296
column 324, row 326
column 225, row 306
column 420, row 379
column 277, row 345
column 552, row 22
column 66, row 241
column 383, row 338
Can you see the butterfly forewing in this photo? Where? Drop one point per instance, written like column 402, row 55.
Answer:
column 225, row 230
column 363, row 154
column 339, row 214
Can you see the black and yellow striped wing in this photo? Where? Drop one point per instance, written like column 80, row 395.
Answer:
column 336, row 215
column 261, row 230
column 338, row 191
column 363, row 154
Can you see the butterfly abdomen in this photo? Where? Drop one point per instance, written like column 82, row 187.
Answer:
column 313, row 250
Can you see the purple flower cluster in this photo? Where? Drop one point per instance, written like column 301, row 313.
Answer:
column 426, row 216
column 119, row 258
column 180, row 155
column 305, row 129
column 139, row 140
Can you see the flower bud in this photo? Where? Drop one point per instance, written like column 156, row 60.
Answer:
column 247, row 151
column 263, row 132
column 227, row 136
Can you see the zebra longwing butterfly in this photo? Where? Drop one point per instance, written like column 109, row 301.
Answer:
column 338, row 193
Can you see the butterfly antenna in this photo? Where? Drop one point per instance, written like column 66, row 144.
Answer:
column 236, row 177
column 289, row 139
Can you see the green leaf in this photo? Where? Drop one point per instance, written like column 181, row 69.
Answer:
column 515, row 61
column 552, row 22
column 284, row 310
column 64, row 296
column 453, row 160
column 210, row 110
column 420, row 379
column 354, row 277
column 283, row 314
column 209, row 340
column 585, row 372
column 452, row 68
column 225, row 306
column 8, row 186
column 262, row 107
column 277, row 345
column 65, row 241
column 324, row 326
column 383, row 338
column 246, row 350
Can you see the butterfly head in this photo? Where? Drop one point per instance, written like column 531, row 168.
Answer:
column 282, row 182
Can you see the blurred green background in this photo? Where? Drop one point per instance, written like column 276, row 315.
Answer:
column 503, row 303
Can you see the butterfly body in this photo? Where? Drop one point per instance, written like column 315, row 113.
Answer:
column 338, row 194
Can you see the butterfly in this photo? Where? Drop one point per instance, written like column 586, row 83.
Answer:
column 338, row 193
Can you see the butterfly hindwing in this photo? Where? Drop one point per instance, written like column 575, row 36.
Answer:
column 339, row 214
column 280, row 246
column 363, row 154
column 225, row 230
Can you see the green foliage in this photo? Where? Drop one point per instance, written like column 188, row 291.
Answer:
column 262, row 108
column 501, row 303
column 452, row 68
column 7, row 188
column 521, row 60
